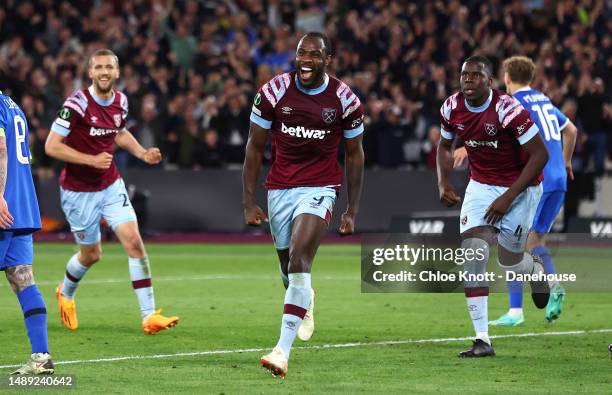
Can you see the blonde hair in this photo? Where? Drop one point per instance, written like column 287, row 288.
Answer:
column 520, row 69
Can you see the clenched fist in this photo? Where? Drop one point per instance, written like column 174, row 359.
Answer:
column 102, row 161
column 152, row 156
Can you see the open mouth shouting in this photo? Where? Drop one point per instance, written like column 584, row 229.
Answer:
column 306, row 74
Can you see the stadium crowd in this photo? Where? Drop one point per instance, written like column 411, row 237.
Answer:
column 190, row 68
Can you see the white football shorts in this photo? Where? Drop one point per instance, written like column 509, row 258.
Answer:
column 514, row 226
column 286, row 204
column 84, row 210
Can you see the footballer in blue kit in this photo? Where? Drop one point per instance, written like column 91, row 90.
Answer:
column 19, row 219
column 559, row 135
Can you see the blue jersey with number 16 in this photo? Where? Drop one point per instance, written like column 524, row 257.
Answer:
column 550, row 121
column 19, row 192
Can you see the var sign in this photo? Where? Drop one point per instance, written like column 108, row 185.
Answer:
column 419, row 227
column 601, row 228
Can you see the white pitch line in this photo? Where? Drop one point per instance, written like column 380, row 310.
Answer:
column 322, row 346
column 206, row 277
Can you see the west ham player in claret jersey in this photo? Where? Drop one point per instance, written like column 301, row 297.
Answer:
column 506, row 155
column 519, row 72
column 90, row 122
column 306, row 113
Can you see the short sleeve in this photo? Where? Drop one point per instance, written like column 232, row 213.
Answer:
column 123, row 101
column 561, row 118
column 262, row 111
column 72, row 111
column 352, row 116
column 446, row 129
column 516, row 120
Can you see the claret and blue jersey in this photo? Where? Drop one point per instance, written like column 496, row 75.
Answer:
column 307, row 126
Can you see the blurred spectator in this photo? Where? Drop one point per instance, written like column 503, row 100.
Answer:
column 149, row 128
column 183, row 45
column 430, row 147
column 591, row 110
column 211, row 56
column 391, row 137
column 233, row 122
column 207, row 151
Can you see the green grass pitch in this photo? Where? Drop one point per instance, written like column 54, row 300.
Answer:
column 229, row 299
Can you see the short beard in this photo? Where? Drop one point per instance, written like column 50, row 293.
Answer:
column 103, row 90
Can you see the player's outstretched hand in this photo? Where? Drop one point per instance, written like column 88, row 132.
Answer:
column 102, row 161
column 448, row 196
column 152, row 156
column 254, row 216
column 347, row 224
column 6, row 219
column 459, row 156
column 497, row 209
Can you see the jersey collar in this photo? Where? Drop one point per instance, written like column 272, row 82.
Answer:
column 314, row 91
column 483, row 107
column 523, row 89
column 98, row 100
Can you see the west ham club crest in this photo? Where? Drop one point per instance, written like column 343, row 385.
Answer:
column 490, row 129
column 117, row 119
column 328, row 115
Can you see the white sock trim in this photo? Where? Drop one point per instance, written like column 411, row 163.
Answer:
column 141, row 270
column 77, row 270
column 484, row 336
column 515, row 312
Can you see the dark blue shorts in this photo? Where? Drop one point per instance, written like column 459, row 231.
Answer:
column 16, row 249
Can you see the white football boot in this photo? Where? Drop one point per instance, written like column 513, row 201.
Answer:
column 307, row 327
column 275, row 362
column 39, row 363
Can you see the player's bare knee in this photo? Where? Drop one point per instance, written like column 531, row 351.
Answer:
column 507, row 257
column 485, row 233
column 20, row 277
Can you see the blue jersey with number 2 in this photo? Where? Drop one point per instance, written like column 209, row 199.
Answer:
column 19, row 192
column 550, row 121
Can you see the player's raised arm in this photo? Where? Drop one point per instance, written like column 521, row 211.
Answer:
column 256, row 144
column 128, row 142
column 354, row 159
